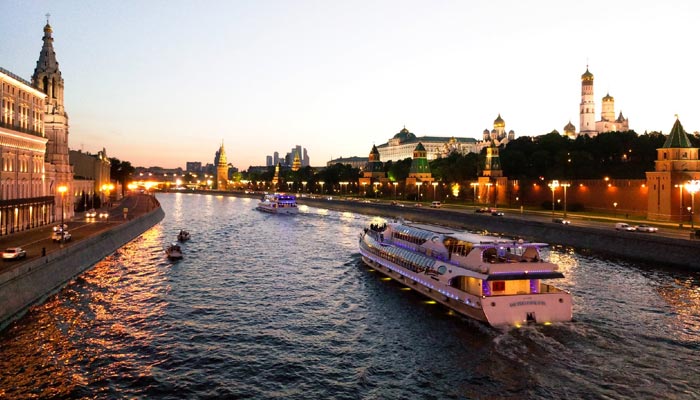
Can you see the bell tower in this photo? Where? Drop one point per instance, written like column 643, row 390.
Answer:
column 47, row 78
column 587, row 126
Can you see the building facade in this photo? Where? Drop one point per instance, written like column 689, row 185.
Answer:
column 25, row 199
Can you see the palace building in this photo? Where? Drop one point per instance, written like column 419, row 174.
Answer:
column 36, row 179
column 402, row 145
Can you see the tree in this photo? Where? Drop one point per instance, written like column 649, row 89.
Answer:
column 121, row 171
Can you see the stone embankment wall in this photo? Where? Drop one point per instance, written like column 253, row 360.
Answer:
column 650, row 249
column 34, row 281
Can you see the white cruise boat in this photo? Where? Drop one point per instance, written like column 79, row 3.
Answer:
column 279, row 204
column 487, row 278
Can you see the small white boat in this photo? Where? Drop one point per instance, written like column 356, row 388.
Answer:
column 183, row 236
column 497, row 281
column 279, row 204
column 174, row 252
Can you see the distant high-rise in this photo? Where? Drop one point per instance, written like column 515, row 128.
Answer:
column 268, row 161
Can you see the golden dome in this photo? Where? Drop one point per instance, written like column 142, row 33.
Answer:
column 499, row 122
column 608, row 98
column 587, row 76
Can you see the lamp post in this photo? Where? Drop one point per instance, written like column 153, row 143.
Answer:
column 62, row 190
column 565, row 185
column 474, row 185
column 692, row 187
column 434, row 189
column 395, row 184
column 376, row 191
column 321, row 183
column 553, row 185
column 488, row 192
column 364, row 189
column 680, row 204
column 615, row 208
column 418, row 184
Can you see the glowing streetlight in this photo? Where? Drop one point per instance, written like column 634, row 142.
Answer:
column 474, row 185
column 615, row 208
column 62, row 190
column 554, row 185
column 418, row 187
column 376, row 191
column 692, row 187
column 680, row 203
column 488, row 191
column 303, row 186
column 321, row 183
column 395, row 185
column 434, row 189
column 565, row 185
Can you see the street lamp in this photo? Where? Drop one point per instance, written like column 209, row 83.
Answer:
column 303, row 186
column 418, row 184
column 62, row 190
column 321, row 183
column 554, row 185
column 692, row 187
column 376, row 192
column 615, row 208
column 680, row 203
column 474, row 185
column 395, row 185
column 364, row 189
column 434, row 188
column 565, row 185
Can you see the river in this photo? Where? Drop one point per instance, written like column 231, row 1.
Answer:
column 281, row 307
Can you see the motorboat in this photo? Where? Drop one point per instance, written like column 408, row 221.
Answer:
column 174, row 251
column 183, row 236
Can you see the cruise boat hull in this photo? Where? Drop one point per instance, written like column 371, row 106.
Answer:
column 505, row 291
column 278, row 204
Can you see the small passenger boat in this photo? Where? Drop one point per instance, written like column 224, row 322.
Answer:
column 279, row 204
column 174, row 252
column 496, row 281
column 183, row 236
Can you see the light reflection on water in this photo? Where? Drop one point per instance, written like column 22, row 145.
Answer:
column 268, row 306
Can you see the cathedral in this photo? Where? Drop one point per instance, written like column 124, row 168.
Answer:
column 588, row 125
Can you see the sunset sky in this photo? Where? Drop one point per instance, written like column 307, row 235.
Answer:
column 160, row 83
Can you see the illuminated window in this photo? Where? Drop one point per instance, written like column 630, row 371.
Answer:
column 499, row 286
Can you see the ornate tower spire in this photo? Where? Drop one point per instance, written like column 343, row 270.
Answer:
column 221, row 168
column 47, row 76
column 587, row 105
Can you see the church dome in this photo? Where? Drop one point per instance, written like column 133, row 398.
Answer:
column 569, row 127
column 47, row 28
column 587, row 76
column 499, row 122
column 404, row 135
column 608, row 98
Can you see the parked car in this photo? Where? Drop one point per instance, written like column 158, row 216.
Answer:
column 497, row 213
column 59, row 236
column 436, row 204
column 483, row 210
column 418, row 205
column 646, row 228
column 91, row 213
column 621, row 226
column 561, row 221
column 13, row 253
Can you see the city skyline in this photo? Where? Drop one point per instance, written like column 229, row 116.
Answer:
column 341, row 77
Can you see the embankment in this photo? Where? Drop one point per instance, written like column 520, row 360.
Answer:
column 33, row 281
column 650, row 249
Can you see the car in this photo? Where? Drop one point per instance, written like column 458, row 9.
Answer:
column 61, row 236
column 436, row 204
column 13, row 253
column 496, row 213
column 561, row 221
column 91, row 213
column 646, row 228
column 482, row 210
column 60, row 227
column 104, row 214
column 621, row 226
column 418, row 205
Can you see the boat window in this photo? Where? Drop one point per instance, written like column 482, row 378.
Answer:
column 442, row 269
